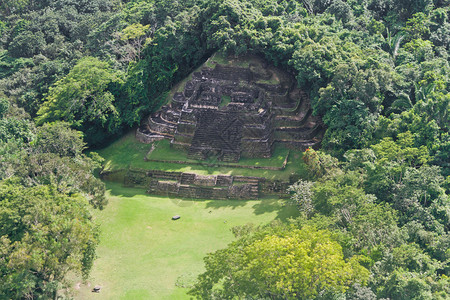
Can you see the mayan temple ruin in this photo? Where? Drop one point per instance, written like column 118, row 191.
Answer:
column 232, row 110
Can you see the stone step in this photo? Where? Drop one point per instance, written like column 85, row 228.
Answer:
column 196, row 155
column 292, row 120
column 257, row 114
column 224, row 180
column 301, row 145
column 187, row 178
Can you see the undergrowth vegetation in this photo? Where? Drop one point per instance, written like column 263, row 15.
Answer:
column 127, row 152
column 76, row 75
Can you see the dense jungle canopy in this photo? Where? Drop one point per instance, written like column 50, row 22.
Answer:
column 76, row 74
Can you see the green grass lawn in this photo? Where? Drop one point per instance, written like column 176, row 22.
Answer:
column 163, row 151
column 143, row 252
column 128, row 152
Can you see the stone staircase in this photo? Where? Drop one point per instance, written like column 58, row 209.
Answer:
column 187, row 178
column 230, row 156
column 217, row 134
column 254, row 115
column 254, row 190
column 224, row 180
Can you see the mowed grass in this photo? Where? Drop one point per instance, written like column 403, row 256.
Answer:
column 142, row 252
column 128, row 152
column 163, row 151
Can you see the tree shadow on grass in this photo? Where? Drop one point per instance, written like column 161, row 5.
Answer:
column 118, row 190
column 264, row 205
column 284, row 210
column 217, row 204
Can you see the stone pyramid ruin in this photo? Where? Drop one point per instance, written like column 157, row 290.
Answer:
column 239, row 107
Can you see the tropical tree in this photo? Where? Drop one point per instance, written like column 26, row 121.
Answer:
column 280, row 263
column 302, row 196
column 8, row 7
column 58, row 138
column 393, row 42
column 135, row 36
column 44, row 236
column 85, row 98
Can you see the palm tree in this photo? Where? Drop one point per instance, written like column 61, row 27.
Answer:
column 422, row 92
column 394, row 42
column 402, row 103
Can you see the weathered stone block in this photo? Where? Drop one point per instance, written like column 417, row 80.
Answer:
column 226, row 111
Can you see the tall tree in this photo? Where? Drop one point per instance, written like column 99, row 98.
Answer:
column 85, row 98
column 44, row 236
column 286, row 263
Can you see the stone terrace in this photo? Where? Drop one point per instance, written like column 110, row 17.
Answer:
column 189, row 185
column 229, row 111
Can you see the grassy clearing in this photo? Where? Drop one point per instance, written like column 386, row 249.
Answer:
column 272, row 80
column 224, row 101
column 163, row 151
column 143, row 253
column 128, row 152
column 124, row 152
column 221, row 59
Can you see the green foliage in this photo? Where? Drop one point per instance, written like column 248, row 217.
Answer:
column 341, row 10
column 376, row 71
column 27, row 44
column 404, row 285
column 52, row 35
column 59, row 139
column 45, row 235
column 345, row 204
column 279, row 263
column 394, row 41
column 134, row 31
column 85, row 98
column 400, row 231
column 320, row 164
column 418, row 26
column 14, row 127
column 302, row 196
column 70, row 175
column 422, row 50
column 342, row 199
column 8, row 7
column 135, row 37
column 400, row 175
column 46, row 230
column 4, row 106
column 401, row 151
column 49, row 155
column 375, row 226
column 350, row 105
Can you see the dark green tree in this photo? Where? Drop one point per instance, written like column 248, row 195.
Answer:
column 85, row 98
column 45, row 235
column 286, row 263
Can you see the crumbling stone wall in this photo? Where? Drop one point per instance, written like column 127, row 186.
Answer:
column 258, row 114
column 189, row 185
